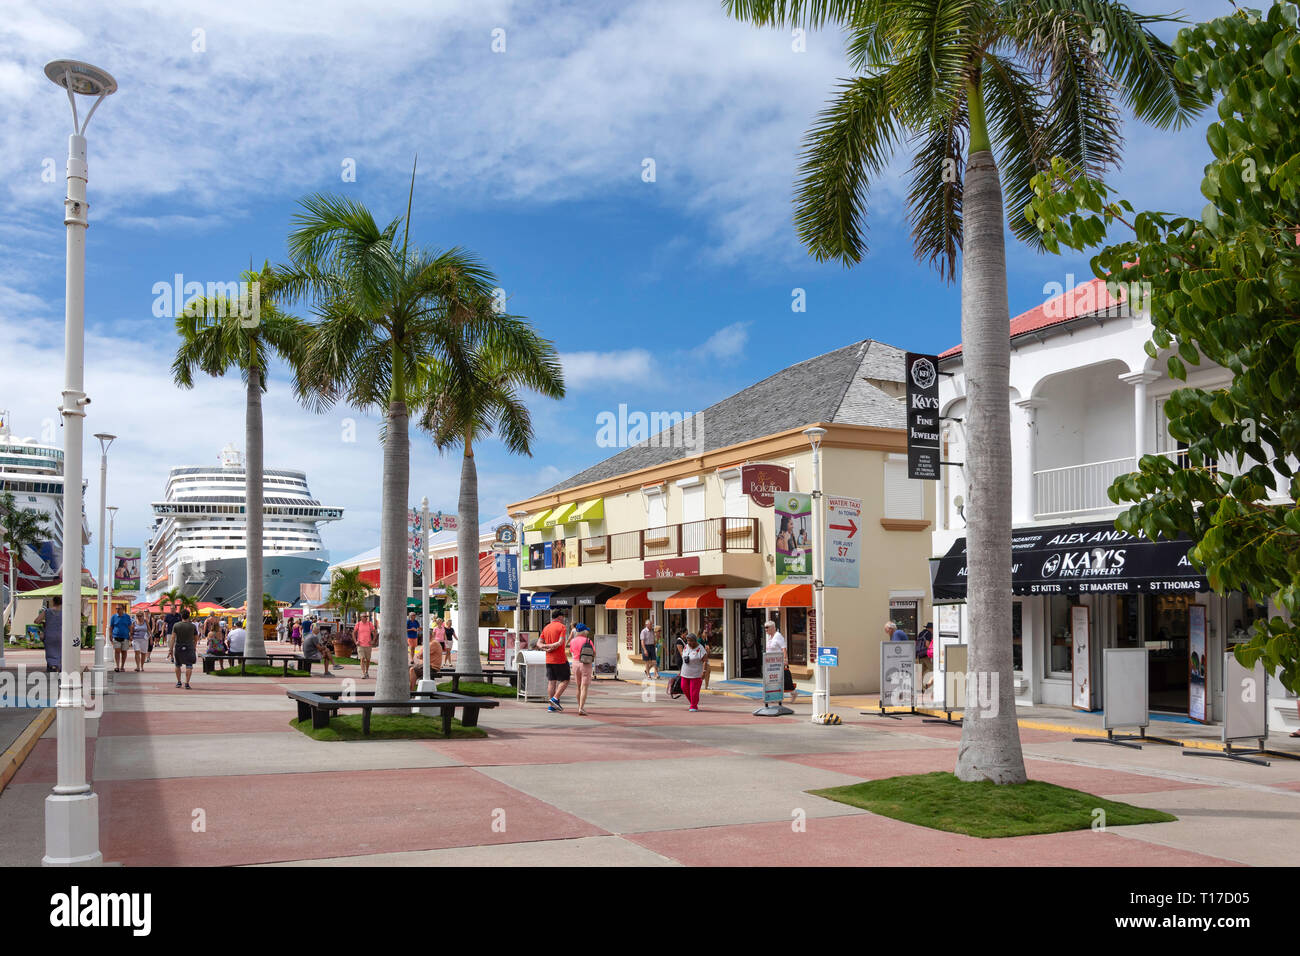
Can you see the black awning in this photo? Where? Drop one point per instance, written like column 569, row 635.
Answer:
column 1091, row 558
column 581, row 595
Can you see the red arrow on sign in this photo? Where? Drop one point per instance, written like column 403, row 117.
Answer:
column 851, row 527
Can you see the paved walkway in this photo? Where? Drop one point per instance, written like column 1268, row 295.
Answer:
column 215, row 776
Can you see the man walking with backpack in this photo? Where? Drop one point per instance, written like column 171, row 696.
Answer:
column 551, row 640
column 583, row 649
column 924, row 657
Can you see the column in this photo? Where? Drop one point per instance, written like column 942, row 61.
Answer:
column 1024, row 503
column 1139, row 381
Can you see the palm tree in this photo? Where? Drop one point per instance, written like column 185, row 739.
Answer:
column 215, row 338
column 22, row 528
column 471, row 397
column 1036, row 79
column 385, row 309
column 348, row 592
column 178, row 600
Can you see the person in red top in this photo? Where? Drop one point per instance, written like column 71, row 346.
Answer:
column 551, row 640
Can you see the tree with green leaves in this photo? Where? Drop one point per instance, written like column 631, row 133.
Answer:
column 473, row 394
column 21, row 528
column 385, row 309
column 1009, row 83
column 1224, row 287
column 348, row 592
column 242, row 333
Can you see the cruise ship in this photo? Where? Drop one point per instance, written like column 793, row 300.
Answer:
column 198, row 538
column 32, row 471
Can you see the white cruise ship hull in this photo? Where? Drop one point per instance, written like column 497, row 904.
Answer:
column 223, row 580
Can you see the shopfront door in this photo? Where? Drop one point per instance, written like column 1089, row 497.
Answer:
column 750, row 641
column 674, row 628
column 1168, row 635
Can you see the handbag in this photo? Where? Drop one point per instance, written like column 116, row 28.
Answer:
column 675, row 687
column 789, row 679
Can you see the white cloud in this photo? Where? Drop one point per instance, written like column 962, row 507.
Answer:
column 728, row 341
column 590, row 371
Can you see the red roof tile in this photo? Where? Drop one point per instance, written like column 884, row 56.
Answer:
column 487, row 573
column 1083, row 299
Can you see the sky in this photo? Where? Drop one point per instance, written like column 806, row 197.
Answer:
column 626, row 170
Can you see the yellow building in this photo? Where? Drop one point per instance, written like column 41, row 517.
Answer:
column 680, row 529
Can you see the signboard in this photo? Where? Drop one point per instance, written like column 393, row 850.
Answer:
column 949, row 619
column 953, row 658
column 511, row 645
column 762, row 482
column 843, row 545
column 897, row 665
column 828, row 657
column 548, row 554
column 1124, row 697
column 773, row 677
column 606, row 655
column 1245, row 703
column 496, row 645
column 1198, row 664
column 923, row 451
column 793, row 547
column 540, row 601
column 507, row 576
column 536, row 556
column 505, row 534
column 126, row 569
column 672, row 568
column 1081, row 670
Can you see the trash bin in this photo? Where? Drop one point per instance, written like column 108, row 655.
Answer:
column 531, row 666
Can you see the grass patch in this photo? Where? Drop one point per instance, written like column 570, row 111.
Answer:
column 481, row 689
column 386, row 727
column 254, row 670
column 985, row 809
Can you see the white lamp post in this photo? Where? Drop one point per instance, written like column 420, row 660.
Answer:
column 518, row 518
column 100, row 668
column 821, row 688
column 112, row 564
column 72, row 809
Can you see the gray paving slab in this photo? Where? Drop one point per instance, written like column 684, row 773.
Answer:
column 13, row 721
column 1249, row 826
column 22, row 824
column 1165, row 760
column 631, row 796
column 584, row 851
column 195, row 700
column 209, row 755
column 795, row 737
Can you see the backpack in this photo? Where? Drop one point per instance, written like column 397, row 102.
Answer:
column 922, row 646
column 675, row 687
column 587, row 653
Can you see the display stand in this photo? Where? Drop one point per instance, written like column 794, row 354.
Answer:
column 1124, row 698
column 1245, row 712
column 953, row 658
column 773, row 686
column 898, row 674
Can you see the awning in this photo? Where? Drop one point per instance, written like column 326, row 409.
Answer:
column 693, row 598
column 782, row 595
column 582, row 595
column 538, row 521
column 593, row 510
column 633, row 599
column 1080, row 559
column 560, row 514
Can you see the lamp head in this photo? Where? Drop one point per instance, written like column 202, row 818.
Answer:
column 815, row 435
column 78, row 77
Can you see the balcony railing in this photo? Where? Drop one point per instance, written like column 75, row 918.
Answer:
column 674, row 540
column 1077, row 489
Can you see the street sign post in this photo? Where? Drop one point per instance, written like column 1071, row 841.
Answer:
column 828, row 657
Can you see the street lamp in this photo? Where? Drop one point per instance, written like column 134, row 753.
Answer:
column 518, row 518
column 821, row 688
column 72, row 809
column 112, row 564
column 100, row 668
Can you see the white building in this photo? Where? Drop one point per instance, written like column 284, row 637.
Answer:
column 1086, row 403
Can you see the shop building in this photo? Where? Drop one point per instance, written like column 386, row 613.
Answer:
column 1086, row 403
column 679, row 530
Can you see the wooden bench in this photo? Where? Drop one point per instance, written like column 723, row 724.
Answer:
column 322, row 705
column 300, row 663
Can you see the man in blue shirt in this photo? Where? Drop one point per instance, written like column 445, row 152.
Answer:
column 894, row 632
column 119, row 626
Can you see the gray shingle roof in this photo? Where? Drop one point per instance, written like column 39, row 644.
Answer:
column 834, row 387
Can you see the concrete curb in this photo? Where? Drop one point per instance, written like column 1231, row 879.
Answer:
column 13, row 758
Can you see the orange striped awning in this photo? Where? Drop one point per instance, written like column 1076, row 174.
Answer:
column 633, row 599
column 696, row 597
column 782, row 595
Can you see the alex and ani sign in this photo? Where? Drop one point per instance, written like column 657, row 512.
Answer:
column 763, row 482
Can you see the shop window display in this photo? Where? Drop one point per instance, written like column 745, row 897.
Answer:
column 711, row 630
column 1060, row 646
column 796, row 635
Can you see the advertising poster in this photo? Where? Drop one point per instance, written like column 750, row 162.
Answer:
column 507, row 577
column 843, row 546
column 496, row 645
column 126, row 569
column 897, row 680
column 1198, row 664
column 773, row 677
column 606, row 655
column 512, row 645
column 793, row 539
column 1082, row 666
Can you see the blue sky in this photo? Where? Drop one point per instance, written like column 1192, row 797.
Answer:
column 664, row 295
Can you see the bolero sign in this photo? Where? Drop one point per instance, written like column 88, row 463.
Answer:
column 762, row 482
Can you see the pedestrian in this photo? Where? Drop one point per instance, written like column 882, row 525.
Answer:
column 140, row 640
column 648, row 651
column 50, row 621
column 924, row 654
column 583, row 649
column 215, row 643
column 692, row 672
column 364, row 632
column 237, row 639
column 893, row 632
column 776, row 643
column 316, row 648
column 448, row 640
column 119, row 627
column 412, row 635
column 551, row 640
column 184, row 637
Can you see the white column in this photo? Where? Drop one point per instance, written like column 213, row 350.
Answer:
column 1023, row 439
column 1139, row 381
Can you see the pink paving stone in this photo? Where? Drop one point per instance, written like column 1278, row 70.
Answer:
column 141, row 723
column 870, row 840
column 656, row 716
column 879, row 764
column 946, row 732
column 42, row 764
column 273, row 817
column 565, row 745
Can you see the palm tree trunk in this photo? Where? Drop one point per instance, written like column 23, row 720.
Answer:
column 467, row 583
column 393, row 570
column 990, row 736
column 254, row 644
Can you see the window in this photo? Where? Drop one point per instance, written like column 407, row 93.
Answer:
column 611, row 622
column 1017, row 631
column 735, row 504
column 656, row 509
column 693, row 502
column 796, row 635
column 904, row 498
column 1060, row 646
column 711, row 630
